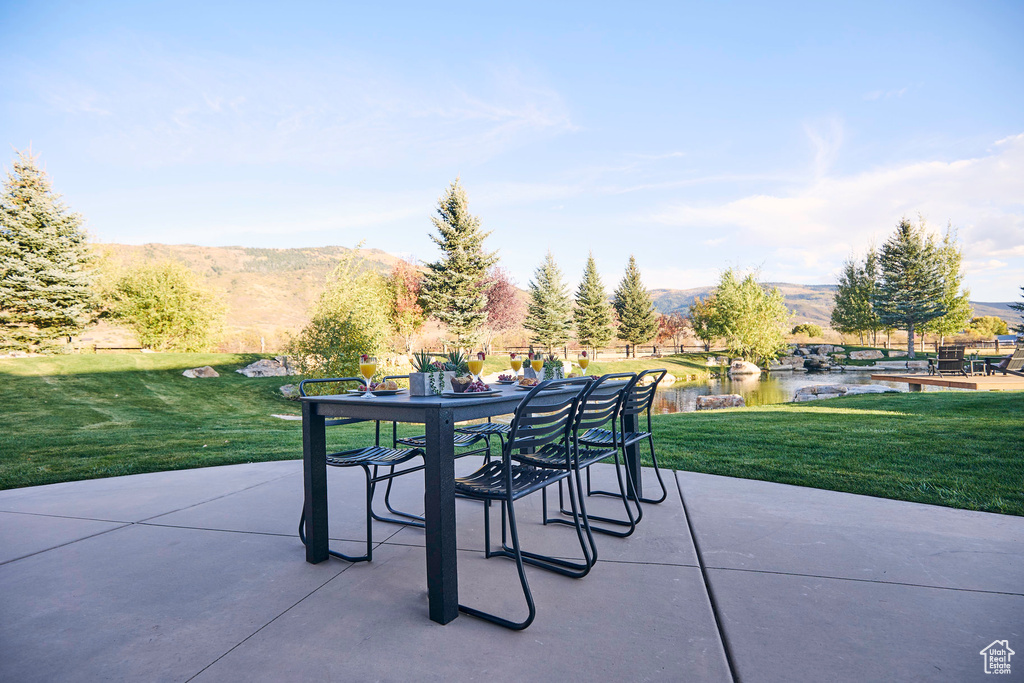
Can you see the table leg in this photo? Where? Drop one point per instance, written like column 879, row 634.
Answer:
column 314, row 475
column 439, row 511
column 631, row 423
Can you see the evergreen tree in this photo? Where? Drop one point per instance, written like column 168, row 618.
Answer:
column 911, row 288
column 548, row 313
column 1019, row 307
column 853, row 312
column 638, row 321
column 955, row 300
column 592, row 315
column 45, row 278
column 454, row 288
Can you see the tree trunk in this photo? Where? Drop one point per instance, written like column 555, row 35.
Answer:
column 910, row 340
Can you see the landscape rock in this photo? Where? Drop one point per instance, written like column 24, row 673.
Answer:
column 290, row 392
column 893, row 353
column 203, row 372
column 869, row 354
column 917, row 365
column 793, row 361
column 870, row 389
column 742, row 367
column 717, row 402
column 269, row 367
column 839, row 356
column 823, row 391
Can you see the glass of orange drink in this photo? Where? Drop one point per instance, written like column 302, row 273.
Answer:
column 537, row 364
column 583, row 360
column 367, row 368
column 517, row 363
column 476, row 365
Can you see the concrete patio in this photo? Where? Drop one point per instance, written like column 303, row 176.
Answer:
column 199, row 575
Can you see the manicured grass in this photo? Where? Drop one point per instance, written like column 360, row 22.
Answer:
column 78, row 417
column 957, row 449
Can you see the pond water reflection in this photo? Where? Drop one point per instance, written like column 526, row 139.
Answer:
column 778, row 387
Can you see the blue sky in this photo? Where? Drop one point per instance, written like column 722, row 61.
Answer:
column 698, row 137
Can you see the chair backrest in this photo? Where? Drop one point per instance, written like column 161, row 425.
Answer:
column 602, row 401
column 951, row 357
column 332, row 422
column 1016, row 360
column 546, row 414
column 639, row 394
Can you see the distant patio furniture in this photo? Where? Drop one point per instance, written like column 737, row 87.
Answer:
column 1012, row 364
column 950, row 361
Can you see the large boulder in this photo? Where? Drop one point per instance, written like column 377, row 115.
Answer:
column 742, row 367
column 203, row 372
column 870, row 389
column 268, row 367
column 868, row 354
column 722, row 401
column 893, row 353
column 290, row 392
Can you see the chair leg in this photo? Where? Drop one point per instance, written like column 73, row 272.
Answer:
column 575, row 570
column 657, row 472
column 518, row 556
column 631, row 521
column 410, row 519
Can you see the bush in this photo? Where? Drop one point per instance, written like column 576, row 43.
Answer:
column 810, row 329
column 167, row 307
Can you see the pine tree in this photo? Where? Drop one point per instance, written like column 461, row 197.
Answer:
column 45, row 278
column 548, row 313
column 638, row 321
column 911, row 288
column 853, row 312
column 454, row 287
column 956, row 301
column 1019, row 307
column 593, row 315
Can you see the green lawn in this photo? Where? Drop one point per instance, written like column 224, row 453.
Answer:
column 77, row 417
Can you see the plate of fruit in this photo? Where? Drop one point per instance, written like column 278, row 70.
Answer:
column 463, row 387
column 506, row 379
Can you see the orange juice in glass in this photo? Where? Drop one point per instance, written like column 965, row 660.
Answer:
column 367, row 368
column 476, row 366
column 537, row 364
column 583, row 361
column 517, row 363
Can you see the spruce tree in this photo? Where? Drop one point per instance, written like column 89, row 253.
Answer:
column 548, row 313
column 638, row 321
column 454, row 288
column 45, row 277
column 955, row 299
column 911, row 287
column 1019, row 307
column 593, row 315
column 853, row 312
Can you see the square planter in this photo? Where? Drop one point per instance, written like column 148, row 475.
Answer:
column 419, row 383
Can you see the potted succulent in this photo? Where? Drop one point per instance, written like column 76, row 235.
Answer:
column 430, row 376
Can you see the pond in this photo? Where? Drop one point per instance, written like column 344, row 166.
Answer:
column 778, row 387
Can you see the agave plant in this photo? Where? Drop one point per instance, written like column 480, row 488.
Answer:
column 456, row 362
column 423, row 361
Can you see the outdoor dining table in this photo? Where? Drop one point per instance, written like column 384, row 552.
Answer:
column 438, row 415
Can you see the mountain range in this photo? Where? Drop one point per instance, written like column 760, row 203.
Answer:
column 269, row 291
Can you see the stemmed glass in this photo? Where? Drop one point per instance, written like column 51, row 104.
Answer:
column 537, row 364
column 583, row 362
column 367, row 368
column 476, row 366
column 517, row 363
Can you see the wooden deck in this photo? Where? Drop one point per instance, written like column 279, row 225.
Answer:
column 977, row 382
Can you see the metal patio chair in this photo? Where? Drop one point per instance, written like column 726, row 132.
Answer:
column 370, row 459
column 600, row 406
column 948, row 361
column 638, row 399
column 1014, row 363
column 541, row 432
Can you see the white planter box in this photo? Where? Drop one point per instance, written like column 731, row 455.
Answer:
column 419, row 383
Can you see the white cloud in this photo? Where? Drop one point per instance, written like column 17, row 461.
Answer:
column 830, row 217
